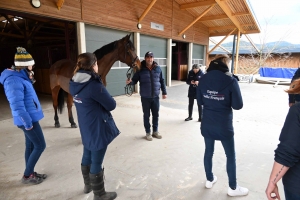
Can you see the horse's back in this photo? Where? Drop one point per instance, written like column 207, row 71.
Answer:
column 64, row 67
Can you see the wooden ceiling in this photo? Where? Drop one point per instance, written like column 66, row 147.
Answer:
column 222, row 17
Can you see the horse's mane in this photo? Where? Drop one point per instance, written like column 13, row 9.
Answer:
column 99, row 53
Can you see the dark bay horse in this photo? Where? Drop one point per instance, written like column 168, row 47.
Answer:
column 62, row 71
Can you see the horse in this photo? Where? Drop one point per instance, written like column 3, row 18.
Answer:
column 62, row 71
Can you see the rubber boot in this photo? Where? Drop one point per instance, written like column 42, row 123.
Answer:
column 86, row 178
column 97, row 184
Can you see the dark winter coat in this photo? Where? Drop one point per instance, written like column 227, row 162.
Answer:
column 24, row 103
column 93, row 104
column 295, row 97
column 193, row 77
column 219, row 93
column 288, row 150
column 151, row 81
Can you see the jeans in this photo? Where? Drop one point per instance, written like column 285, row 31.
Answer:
column 290, row 196
column 191, row 105
column 34, row 146
column 228, row 146
column 153, row 105
column 94, row 159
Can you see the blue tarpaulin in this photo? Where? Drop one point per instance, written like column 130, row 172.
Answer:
column 277, row 72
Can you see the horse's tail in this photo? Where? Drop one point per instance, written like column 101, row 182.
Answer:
column 61, row 100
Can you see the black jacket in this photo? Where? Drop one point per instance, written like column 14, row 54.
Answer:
column 288, row 150
column 195, row 77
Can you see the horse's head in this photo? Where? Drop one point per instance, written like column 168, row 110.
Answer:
column 127, row 53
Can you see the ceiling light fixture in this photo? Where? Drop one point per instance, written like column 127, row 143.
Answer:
column 35, row 3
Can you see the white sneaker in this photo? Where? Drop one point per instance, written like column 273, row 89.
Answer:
column 239, row 191
column 209, row 184
column 149, row 136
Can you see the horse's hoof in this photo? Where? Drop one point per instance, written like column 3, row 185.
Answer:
column 57, row 125
column 73, row 126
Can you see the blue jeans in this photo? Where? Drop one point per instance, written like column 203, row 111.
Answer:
column 228, row 146
column 94, row 159
column 150, row 104
column 34, row 146
column 290, row 196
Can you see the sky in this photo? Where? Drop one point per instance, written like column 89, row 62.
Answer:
column 278, row 20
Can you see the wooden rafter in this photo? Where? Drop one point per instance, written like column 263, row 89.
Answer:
column 221, row 41
column 252, row 43
column 213, row 41
column 191, row 24
column 227, row 11
column 13, row 24
column 197, row 4
column 223, row 33
column 147, row 10
column 214, row 17
column 241, row 14
column 221, row 28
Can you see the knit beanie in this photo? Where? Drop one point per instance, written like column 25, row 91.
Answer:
column 22, row 58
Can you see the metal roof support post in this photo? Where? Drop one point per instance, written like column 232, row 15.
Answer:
column 169, row 62
column 233, row 53
column 236, row 64
column 137, row 44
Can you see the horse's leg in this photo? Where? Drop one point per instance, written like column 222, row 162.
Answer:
column 69, row 104
column 54, row 92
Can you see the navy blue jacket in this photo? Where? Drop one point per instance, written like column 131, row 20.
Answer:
column 288, row 150
column 295, row 97
column 219, row 94
column 150, row 81
column 24, row 103
column 93, row 104
column 193, row 77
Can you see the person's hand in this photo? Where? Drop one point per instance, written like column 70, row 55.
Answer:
column 272, row 189
column 192, row 82
column 290, row 104
column 196, row 82
column 128, row 81
column 164, row 96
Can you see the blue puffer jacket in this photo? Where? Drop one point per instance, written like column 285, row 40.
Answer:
column 93, row 104
column 150, row 81
column 219, row 94
column 193, row 77
column 24, row 103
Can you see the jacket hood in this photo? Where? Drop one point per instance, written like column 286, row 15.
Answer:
column 80, row 80
column 215, row 77
column 7, row 73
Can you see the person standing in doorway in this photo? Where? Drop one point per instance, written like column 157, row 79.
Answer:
column 219, row 93
column 151, row 81
column 26, row 111
column 192, row 80
column 97, row 127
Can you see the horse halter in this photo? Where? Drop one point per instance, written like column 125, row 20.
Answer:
column 133, row 60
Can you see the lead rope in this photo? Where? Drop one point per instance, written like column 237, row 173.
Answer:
column 129, row 88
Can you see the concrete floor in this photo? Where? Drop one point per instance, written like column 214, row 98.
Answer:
column 167, row 169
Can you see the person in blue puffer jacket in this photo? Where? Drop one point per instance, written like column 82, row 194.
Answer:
column 97, row 127
column 219, row 92
column 26, row 111
column 151, row 82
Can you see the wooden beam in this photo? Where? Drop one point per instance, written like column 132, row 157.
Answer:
column 147, row 10
column 13, row 24
column 225, row 33
column 236, row 63
column 196, row 4
column 221, row 41
column 227, row 11
column 221, row 28
column 241, row 14
column 35, row 38
column 191, row 24
column 214, row 17
column 252, row 43
column 213, row 41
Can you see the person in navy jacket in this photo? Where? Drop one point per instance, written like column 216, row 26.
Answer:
column 26, row 111
column 192, row 80
column 97, row 127
column 151, row 81
column 218, row 91
column 287, row 155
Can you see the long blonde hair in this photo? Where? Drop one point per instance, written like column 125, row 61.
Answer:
column 223, row 57
column 294, row 87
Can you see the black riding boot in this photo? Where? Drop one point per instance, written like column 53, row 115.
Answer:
column 86, row 178
column 97, row 184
